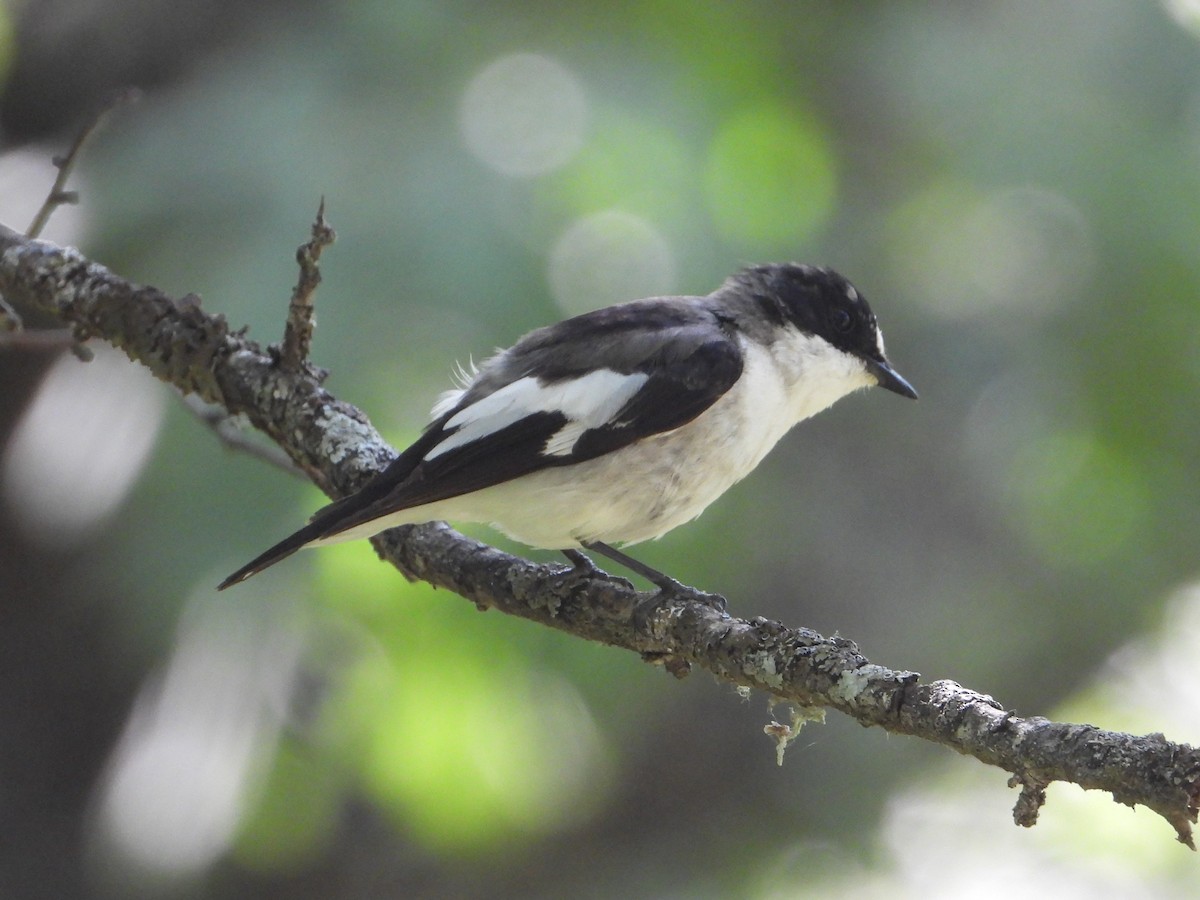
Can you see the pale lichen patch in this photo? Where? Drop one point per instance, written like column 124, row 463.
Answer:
column 342, row 436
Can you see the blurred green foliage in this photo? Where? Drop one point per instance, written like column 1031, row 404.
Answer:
column 451, row 719
column 770, row 180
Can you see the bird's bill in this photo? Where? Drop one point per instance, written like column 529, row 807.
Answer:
column 887, row 377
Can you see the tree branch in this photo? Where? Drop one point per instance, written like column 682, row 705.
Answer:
column 301, row 320
column 337, row 447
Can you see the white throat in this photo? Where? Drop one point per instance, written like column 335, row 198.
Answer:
column 810, row 372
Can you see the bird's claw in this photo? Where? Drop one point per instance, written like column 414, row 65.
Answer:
column 669, row 591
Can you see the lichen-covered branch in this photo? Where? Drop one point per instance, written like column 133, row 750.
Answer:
column 337, row 447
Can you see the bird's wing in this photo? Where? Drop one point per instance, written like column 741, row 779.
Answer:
column 598, row 388
column 661, row 379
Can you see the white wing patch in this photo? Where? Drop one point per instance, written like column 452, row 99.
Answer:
column 589, row 401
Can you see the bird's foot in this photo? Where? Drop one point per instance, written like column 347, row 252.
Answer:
column 583, row 570
column 581, row 565
column 670, row 590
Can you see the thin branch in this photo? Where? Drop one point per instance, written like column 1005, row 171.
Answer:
column 59, row 195
column 227, row 431
column 12, row 326
column 336, row 446
column 297, row 334
column 56, row 339
column 10, row 320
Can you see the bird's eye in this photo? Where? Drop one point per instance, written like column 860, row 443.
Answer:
column 840, row 320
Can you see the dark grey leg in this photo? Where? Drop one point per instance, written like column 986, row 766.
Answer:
column 664, row 582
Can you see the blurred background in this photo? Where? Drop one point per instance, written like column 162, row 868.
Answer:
column 1015, row 187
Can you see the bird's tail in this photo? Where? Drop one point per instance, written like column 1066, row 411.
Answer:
column 325, row 523
column 280, row 551
column 343, row 519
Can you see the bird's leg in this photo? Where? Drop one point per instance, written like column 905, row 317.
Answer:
column 668, row 587
column 581, row 564
column 655, row 577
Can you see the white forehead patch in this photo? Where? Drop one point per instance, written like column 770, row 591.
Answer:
column 851, row 293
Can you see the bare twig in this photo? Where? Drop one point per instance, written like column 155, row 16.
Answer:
column 59, row 195
column 53, row 339
column 337, row 447
column 234, row 438
column 12, row 327
column 297, row 334
column 10, row 320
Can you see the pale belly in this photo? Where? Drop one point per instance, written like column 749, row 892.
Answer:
column 636, row 494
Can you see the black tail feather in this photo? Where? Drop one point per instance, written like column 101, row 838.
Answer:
column 370, row 502
column 326, row 521
column 280, row 551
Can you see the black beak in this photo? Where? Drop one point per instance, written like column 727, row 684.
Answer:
column 887, row 377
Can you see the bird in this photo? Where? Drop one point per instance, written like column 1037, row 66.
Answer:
column 617, row 425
